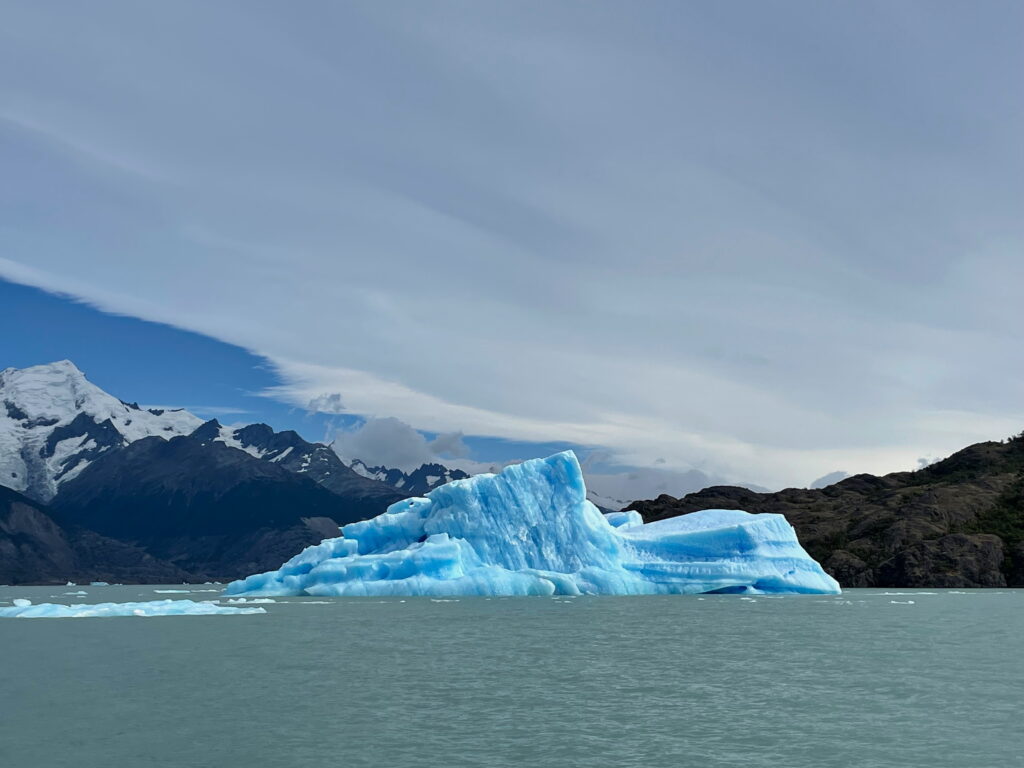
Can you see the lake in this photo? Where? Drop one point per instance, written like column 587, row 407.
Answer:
column 871, row 678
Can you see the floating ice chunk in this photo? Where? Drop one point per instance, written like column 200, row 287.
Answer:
column 531, row 531
column 250, row 600
column 25, row 610
column 624, row 519
column 21, row 602
column 78, row 593
column 172, row 591
column 99, row 584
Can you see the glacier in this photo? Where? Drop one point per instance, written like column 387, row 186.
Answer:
column 530, row 530
column 25, row 609
column 54, row 422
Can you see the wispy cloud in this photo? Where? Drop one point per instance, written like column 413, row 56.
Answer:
column 762, row 244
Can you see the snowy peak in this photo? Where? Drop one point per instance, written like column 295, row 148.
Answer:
column 54, row 422
column 415, row 483
column 290, row 451
column 380, row 474
column 430, row 476
column 265, row 443
column 56, row 393
column 47, row 393
column 258, row 440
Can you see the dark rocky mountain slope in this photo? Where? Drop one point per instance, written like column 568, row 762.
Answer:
column 316, row 461
column 956, row 523
column 212, row 510
column 34, row 549
column 418, row 482
column 54, row 422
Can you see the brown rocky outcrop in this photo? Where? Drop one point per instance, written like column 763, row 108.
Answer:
column 956, row 523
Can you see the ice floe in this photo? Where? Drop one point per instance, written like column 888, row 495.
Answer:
column 25, row 609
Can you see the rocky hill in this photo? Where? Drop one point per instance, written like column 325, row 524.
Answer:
column 956, row 523
column 35, row 549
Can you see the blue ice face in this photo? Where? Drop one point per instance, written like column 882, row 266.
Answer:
column 531, row 531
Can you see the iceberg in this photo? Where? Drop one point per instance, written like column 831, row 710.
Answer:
column 24, row 609
column 531, row 531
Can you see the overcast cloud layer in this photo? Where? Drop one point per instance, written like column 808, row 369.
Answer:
column 768, row 240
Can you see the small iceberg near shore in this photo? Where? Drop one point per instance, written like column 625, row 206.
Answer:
column 531, row 531
column 25, row 609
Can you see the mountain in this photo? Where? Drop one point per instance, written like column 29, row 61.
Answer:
column 416, row 483
column 316, row 461
column 54, row 423
column 211, row 509
column 35, row 549
column 956, row 523
column 141, row 488
column 101, row 489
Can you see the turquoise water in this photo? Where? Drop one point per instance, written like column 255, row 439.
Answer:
column 923, row 678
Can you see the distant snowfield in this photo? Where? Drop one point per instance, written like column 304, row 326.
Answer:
column 54, row 422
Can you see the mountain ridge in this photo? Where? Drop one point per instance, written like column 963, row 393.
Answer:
column 418, row 482
column 209, row 508
column 159, row 490
column 149, row 493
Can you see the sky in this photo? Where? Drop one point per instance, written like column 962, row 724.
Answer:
column 160, row 366
column 763, row 241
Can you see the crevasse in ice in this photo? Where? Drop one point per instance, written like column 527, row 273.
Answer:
column 531, row 531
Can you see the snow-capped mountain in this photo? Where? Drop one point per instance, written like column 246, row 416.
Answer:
column 54, row 422
column 289, row 450
column 415, row 483
column 211, row 509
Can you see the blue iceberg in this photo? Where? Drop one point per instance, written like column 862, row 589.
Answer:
column 531, row 531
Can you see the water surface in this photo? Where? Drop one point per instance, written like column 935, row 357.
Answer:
column 871, row 678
